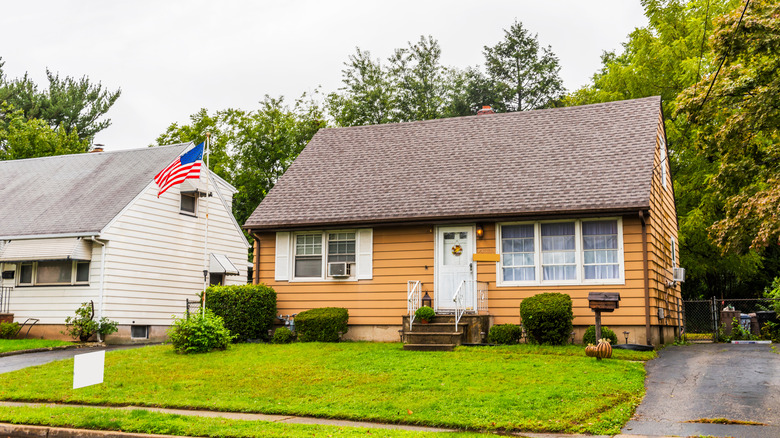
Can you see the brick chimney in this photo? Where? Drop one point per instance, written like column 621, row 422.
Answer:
column 486, row 109
column 96, row 148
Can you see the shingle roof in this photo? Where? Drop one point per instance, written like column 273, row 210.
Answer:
column 576, row 159
column 71, row 194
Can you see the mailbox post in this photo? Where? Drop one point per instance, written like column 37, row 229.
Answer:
column 602, row 302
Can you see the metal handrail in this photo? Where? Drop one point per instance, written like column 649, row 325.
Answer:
column 482, row 297
column 457, row 298
column 413, row 289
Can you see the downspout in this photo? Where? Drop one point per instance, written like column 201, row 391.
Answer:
column 646, row 275
column 103, row 252
column 255, row 259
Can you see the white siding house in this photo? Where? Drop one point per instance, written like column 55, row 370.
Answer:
column 135, row 256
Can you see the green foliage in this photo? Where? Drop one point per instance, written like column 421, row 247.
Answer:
column 418, row 79
column 83, row 325
column 199, row 333
column 321, row 324
column 738, row 332
column 8, row 330
column 72, row 105
column 424, row 313
column 527, row 74
column 773, row 291
column 505, row 334
column 283, row 335
column 606, row 333
column 21, row 137
column 248, row 311
column 547, row 318
column 771, row 332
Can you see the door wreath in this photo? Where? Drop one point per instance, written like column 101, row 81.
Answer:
column 457, row 249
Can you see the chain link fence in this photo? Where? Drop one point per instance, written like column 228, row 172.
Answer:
column 705, row 318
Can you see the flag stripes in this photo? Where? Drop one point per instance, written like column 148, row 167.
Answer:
column 185, row 167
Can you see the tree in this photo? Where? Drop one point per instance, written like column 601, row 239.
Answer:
column 737, row 125
column 418, row 79
column 528, row 76
column 75, row 105
column 468, row 91
column 366, row 97
column 29, row 138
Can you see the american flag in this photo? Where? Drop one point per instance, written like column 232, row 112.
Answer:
column 185, row 167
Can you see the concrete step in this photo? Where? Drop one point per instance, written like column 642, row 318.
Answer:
column 429, row 347
column 438, row 327
column 450, row 337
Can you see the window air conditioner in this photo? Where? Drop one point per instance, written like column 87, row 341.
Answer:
column 338, row 269
column 679, row 275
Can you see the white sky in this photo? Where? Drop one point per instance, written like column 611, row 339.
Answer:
column 172, row 58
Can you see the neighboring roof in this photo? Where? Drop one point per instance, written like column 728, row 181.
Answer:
column 75, row 194
column 592, row 158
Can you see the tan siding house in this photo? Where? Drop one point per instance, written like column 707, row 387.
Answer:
column 154, row 248
column 488, row 209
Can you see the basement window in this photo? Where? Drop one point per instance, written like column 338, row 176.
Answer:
column 139, row 331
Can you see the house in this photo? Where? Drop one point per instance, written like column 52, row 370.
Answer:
column 90, row 228
column 482, row 211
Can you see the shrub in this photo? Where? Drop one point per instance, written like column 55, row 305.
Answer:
column 283, row 335
column 8, row 330
column 505, row 334
column 247, row 310
column 200, row 333
column 83, row 326
column 547, row 318
column 321, row 325
column 424, row 313
column 606, row 333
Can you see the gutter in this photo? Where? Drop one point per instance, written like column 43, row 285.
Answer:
column 646, row 277
column 48, row 236
column 103, row 253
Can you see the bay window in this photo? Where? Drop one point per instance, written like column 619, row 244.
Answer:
column 53, row 273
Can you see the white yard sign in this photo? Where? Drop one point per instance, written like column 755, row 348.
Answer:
column 88, row 369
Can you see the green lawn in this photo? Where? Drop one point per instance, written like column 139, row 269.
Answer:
column 7, row 345
column 553, row 389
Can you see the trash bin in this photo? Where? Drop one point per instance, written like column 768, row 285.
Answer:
column 744, row 321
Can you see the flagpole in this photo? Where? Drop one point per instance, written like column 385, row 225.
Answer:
column 206, row 239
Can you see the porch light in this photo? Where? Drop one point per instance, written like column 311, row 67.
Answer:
column 426, row 300
column 480, row 231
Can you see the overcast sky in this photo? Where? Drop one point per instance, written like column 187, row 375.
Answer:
column 171, row 58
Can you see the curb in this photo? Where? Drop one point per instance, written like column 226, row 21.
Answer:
column 61, row 347
column 23, row 431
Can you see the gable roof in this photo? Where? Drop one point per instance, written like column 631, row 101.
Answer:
column 585, row 159
column 75, row 194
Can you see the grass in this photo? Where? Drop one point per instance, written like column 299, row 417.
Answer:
column 7, row 345
column 514, row 388
column 140, row 421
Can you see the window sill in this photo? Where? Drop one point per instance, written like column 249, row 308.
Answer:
column 184, row 213
column 563, row 283
column 322, row 280
column 23, row 286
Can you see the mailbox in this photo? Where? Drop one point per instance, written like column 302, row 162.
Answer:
column 604, row 301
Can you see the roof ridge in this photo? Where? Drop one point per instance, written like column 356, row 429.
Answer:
column 504, row 114
column 95, row 153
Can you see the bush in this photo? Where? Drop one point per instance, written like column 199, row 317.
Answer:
column 321, row 325
column 8, row 330
column 424, row 313
column 83, row 326
column 199, row 333
column 283, row 335
column 505, row 334
column 547, row 318
column 606, row 333
column 247, row 310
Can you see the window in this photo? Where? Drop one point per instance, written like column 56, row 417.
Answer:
column 664, row 164
column 517, row 247
column 53, row 273
column 559, row 256
column 600, row 250
column 189, row 203
column 574, row 252
column 341, row 247
column 139, row 331
column 308, row 255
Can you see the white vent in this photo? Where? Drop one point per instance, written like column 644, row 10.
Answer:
column 679, row 275
column 338, row 269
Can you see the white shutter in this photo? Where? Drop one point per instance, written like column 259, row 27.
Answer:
column 282, row 266
column 365, row 261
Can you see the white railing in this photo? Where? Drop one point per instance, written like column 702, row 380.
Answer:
column 458, row 299
column 412, row 299
column 482, row 297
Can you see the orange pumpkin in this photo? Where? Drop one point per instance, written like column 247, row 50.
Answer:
column 590, row 350
column 604, row 349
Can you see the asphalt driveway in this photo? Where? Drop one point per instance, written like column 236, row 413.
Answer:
column 715, row 381
column 19, row 361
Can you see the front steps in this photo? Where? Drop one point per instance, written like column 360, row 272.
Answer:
column 440, row 334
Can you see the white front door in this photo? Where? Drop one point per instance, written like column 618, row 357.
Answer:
column 454, row 264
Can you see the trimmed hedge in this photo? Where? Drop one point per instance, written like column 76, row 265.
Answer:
column 283, row 335
column 247, row 310
column 505, row 334
column 8, row 330
column 425, row 313
column 547, row 318
column 606, row 333
column 322, row 324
